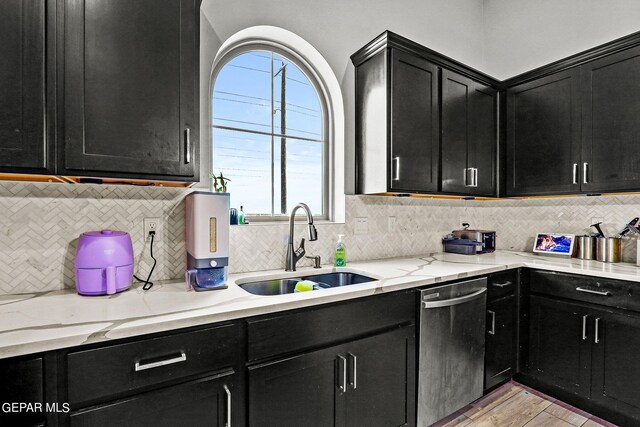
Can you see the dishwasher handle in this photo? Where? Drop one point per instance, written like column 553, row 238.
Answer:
column 454, row 301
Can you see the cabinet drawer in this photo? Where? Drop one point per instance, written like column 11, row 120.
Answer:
column 595, row 290
column 502, row 284
column 197, row 403
column 324, row 325
column 122, row 368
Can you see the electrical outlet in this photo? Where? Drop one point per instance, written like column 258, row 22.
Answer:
column 151, row 224
column 362, row 225
column 392, row 224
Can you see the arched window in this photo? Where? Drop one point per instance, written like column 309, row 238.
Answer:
column 270, row 133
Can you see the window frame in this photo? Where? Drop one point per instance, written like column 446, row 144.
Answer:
column 327, row 118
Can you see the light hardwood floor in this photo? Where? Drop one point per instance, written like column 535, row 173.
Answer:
column 514, row 405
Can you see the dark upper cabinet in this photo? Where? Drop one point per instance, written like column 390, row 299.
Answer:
column 615, row 371
column 543, row 135
column 610, row 125
column 414, row 138
column 129, row 82
column 469, row 125
column 559, row 344
column 403, row 93
column 24, row 146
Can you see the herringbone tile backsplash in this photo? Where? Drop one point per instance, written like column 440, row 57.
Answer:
column 40, row 224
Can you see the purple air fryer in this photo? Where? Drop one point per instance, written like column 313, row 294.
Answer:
column 104, row 262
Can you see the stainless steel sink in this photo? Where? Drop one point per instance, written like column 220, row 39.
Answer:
column 339, row 279
column 286, row 286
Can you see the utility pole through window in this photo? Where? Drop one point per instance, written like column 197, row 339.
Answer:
column 283, row 140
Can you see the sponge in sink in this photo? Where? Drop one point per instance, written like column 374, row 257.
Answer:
column 304, row 286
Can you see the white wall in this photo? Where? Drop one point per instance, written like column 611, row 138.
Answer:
column 502, row 38
column 337, row 28
column 520, row 35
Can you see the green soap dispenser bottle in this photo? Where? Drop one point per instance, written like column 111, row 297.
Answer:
column 341, row 252
column 241, row 216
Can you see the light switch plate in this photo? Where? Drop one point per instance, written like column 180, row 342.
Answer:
column 362, row 225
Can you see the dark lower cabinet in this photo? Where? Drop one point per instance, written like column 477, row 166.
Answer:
column 500, row 341
column 610, row 126
column 130, row 89
column 543, row 135
column 24, row 146
column 301, row 390
column 615, row 371
column 197, row 403
column 559, row 345
column 368, row 382
column 469, row 123
column 381, row 380
column 22, row 381
column 584, row 334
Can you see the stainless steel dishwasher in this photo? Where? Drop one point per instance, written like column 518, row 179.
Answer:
column 451, row 355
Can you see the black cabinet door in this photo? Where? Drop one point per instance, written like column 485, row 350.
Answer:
column 130, row 79
column 559, row 344
column 468, row 136
column 297, row 391
column 381, row 380
column 615, row 369
column 415, row 134
column 21, row 382
column 500, row 341
column 610, row 126
column 543, row 136
column 197, row 403
column 23, row 145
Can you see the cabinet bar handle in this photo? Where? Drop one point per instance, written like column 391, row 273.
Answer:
column 396, row 172
column 143, row 366
column 342, row 384
column 493, row 322
column 354, row 371
column 502, row 285
column 465, row 172
column 585, row 173
column 226, row 390
column 475, row 177
column 187, row 145
column 575, row 173
column 584, row 327
column 596, row 338
column 591, row 291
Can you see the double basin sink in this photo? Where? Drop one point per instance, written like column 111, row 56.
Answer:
column 287, row 285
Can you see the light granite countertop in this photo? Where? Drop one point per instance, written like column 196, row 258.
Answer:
column 31, row 323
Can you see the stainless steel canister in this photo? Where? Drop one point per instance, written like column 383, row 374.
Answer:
column 586, row 247
column 608, row 249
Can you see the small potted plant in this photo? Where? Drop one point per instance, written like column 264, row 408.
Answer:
column 219, row 183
